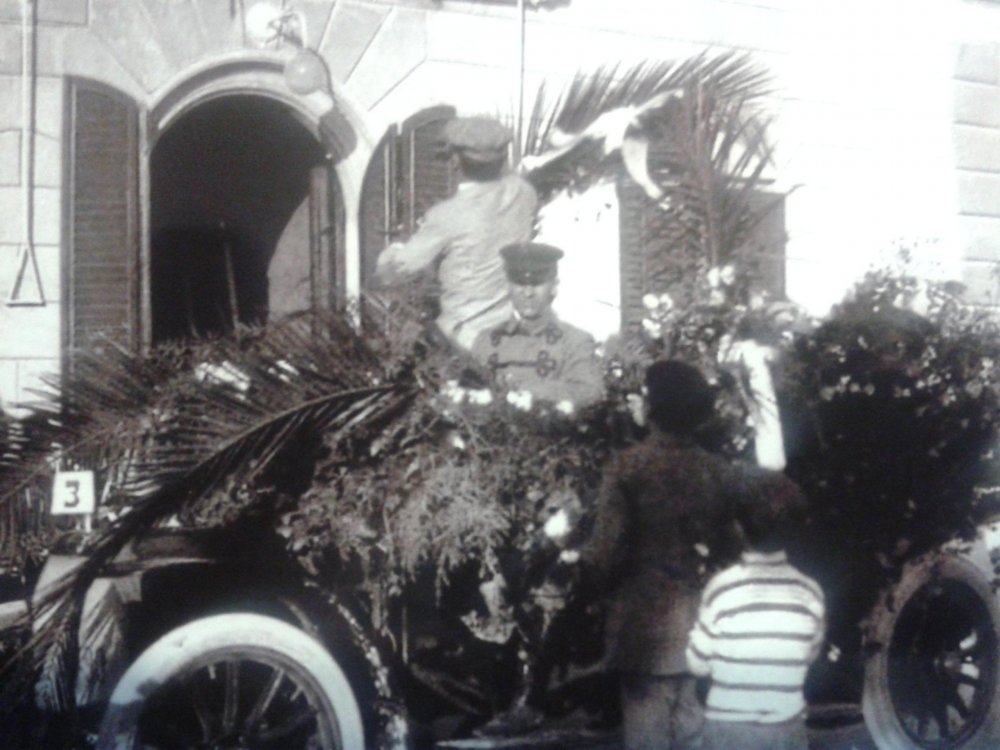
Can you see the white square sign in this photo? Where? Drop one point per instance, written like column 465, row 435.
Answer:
column 73, row 492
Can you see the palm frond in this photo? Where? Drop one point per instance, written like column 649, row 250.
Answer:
column 728, row 76
column 226, row 414
column 94, row 417
column 709, row 96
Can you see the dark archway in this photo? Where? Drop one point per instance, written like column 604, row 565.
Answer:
column 233, row 190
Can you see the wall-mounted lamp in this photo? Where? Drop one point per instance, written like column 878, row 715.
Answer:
column 268, row 24
column 306, row 73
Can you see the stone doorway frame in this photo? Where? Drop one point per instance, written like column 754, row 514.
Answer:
column 258, row 74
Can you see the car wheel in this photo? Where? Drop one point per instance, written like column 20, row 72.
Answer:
column 233, row 681
column 932, row 683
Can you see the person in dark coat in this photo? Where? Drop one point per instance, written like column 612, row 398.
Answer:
column 663, row 505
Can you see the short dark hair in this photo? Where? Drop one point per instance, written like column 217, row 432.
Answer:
column 481, row 171
column 679, row 397
column 770, row 510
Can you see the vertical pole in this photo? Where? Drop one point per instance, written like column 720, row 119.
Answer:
column 519, row 125
column 227, row 251
column 27, row 118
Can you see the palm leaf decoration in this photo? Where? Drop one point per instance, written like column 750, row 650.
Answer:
column 691, row 134
column 95, row 420
column 167, row 428
column 221, row 416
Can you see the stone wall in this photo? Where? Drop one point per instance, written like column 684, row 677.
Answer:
column 977, row 150
column 885, row 114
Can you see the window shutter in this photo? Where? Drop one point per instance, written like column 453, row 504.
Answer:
column 424, row 176
column 643, row 239
column 406, row 176
column 101, row 197
column 377, row 205
column 328, row 284
column 634, row 251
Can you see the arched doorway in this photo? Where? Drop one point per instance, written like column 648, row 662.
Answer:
column 243, row 203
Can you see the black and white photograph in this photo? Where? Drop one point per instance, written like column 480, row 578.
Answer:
column 499, row 375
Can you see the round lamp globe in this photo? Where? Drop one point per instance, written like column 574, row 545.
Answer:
column 306, row 72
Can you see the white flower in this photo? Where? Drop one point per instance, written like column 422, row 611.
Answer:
column 457, row 441
column 652, row 327
column 480, row 396
column 451, row 391
column 650, row 301
column 666, row 302
column 558, row 525
column 569, row 556
column 727, row 274
column 520, row 399
column 565, row 407
column 713, row 277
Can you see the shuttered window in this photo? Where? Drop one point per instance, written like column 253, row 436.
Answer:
column 643, row 240
column 101, row 273
column 424, row 175
column 635, row 248
column 407, row 175
column 377, row 205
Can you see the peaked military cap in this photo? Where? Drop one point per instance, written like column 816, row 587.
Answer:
column 530, row 262
column 478, row 138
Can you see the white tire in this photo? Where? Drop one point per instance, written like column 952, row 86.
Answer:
column 242, row 679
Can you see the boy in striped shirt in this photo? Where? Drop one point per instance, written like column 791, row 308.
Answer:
column 760, row 625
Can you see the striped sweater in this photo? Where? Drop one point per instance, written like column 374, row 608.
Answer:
column 759, row 627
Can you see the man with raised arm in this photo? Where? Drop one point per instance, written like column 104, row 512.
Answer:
column 461, row 236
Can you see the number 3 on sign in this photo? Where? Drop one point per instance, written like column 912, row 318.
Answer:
column 73, row 492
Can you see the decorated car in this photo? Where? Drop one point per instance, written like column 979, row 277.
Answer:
column 331, row 532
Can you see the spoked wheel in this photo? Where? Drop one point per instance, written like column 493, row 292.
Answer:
column 233, row 682
column 934, row 684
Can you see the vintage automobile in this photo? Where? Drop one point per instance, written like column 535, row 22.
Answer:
column 216, row 643
column 216, row 637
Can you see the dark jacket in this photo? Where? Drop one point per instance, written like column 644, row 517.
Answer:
column 658, row 500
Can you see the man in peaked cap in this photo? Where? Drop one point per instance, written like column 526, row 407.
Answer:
column 492, row 207
column 533, row 351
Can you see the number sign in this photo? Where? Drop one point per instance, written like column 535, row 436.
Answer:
column 73, row 492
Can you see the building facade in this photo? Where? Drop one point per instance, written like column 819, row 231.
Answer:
column 165, row 170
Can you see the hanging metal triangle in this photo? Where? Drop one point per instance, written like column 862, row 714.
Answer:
column 27, row 288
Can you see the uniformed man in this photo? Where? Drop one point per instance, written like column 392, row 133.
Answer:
column 533, row 351
column 493, row 207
